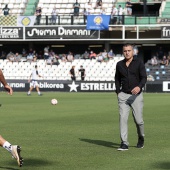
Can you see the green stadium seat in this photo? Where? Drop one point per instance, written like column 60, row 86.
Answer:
column 129, row 20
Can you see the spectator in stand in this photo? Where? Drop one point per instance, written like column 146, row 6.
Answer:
column 129, row 7
column 72, row 73
column 31, row 51
column 70, row 57
column 92, row 55
column 154, row 61
column 98, row 4
column 124, row 11
column 46, row 52
column 34, row 58
column 85, row 13
column 164, row 61
column 18, row 57
column 30, row 57
column 82, row 72
column 34, row 52
column 85, row 55
column 135, row 51
column 76, row 7
column 105, row 58
column 56, row 60
column 6, row 10
column 49, row 61
column 104, row 53
column 54, row 15
column 11, row 57
column 52, row 53
column 120, row 14
column 88, row 7
column 38, row 15
column 114, row 15
column 53, row 58
column 64, row 58
column 24, row 53
column 111, row 54
column 103, row 11
column 100, row 57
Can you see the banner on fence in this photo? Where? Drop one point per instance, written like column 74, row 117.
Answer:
column 25, row 21
column 98, row 22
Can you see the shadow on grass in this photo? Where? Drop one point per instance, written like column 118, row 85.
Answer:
column 162, row 165
column 5, row 167
column 101, row 142
column 33, row 162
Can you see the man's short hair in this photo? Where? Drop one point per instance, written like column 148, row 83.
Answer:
column 126, row 45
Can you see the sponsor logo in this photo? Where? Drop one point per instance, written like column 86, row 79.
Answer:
column 26, row 21
column 165, row 32
column 166, row 86
column 41, row 32
column 63, row 31
column 16, row 85
column 73, row 86
column 98, row 20
column 51, row 85
column 92, row 86
column 59, row 31
column 9, row 32
column 98, row 86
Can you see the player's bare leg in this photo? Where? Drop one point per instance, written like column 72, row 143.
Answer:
column 38, row 91
column 29, row 92
column 13, row 149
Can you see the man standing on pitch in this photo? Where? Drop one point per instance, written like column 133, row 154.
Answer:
column 13, row 149
column 130, row 78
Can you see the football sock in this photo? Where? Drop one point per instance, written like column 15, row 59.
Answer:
column 29, row 92
column 39, row 92
column 7, row 146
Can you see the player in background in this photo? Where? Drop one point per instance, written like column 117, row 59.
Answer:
column 13, row 149
column 33, row 82
column 82, row 71
column 72, row 73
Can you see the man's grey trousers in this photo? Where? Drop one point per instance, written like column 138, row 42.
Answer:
column 127, row 102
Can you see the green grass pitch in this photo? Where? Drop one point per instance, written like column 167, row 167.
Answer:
column 81, row 132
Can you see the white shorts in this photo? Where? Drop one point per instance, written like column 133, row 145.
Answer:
column 34, row 83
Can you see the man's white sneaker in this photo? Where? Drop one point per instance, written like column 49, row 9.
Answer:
column 16, row 154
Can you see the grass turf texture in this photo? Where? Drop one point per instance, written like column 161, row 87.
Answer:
column 81, row 132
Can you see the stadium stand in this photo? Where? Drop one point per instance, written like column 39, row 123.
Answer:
column 27, row 8
column 17, row 7
column 159, row 72
column 66, row 9
column 104, row 71
column 30, row 7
